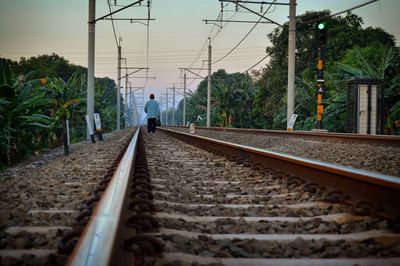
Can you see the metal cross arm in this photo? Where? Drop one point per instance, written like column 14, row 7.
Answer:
column 248, row 9
column 116, row 11
column 134, row 20
column 238, row 21
column 256, row 2
column 188, row 70
column 142, row 77
column 130, row 19
column 137, row 88
column 137, row 70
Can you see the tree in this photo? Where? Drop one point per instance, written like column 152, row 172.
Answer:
column 106, row 102
column 225, row 99
column 343, row 34
column 49, row 66
column 34, row 105
column 230, row 100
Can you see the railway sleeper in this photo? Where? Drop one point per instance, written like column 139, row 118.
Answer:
column 380, row 242
column 143, row 222
column 68, row 241
column 143, row 245
column 142, row 205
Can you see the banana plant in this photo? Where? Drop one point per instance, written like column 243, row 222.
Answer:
column 64, row 99
column 22, row 120
column 373, row 63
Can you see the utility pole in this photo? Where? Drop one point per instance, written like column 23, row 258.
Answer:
column 173, row 105
column 126, row 98
column 161, row 105
column 119, row 87
column 130, row 104
column 166, row 106
column 90, row 73
column 197, row 75
column 184, row 98
column 291, row 60
column 291, row 44
column 209, row 84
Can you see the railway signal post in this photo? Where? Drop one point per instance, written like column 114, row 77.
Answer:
column 321, row 40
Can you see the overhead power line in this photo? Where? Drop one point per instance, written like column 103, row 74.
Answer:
column 112, row 23
column 254, row 26
column 311, row 21
column 339, row 13
column 253, row 66
column 204, row 46
column 116, row 11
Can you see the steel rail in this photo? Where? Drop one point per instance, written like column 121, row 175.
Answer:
column 355, row 186
column 321, row 136
column 97, row 245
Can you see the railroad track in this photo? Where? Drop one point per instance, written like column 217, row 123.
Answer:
column 387, row 140
column 51, row 197
column 235, row 207
column 372, row 153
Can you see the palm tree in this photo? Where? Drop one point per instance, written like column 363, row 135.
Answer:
column 225, row 100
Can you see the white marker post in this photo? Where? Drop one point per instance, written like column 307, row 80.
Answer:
column 192, row 129
column 90, row 128
column 291, row 123
column 65, row 136
column 68, row 137
column 97, row 123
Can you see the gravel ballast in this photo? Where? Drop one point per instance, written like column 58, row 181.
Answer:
column 377, row 158
column 48, row 190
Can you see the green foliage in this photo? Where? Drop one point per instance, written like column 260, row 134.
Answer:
column 21, row 121
column 376, row 62
column 51, row 66
column 375, row 52
column 231, row 104
column 351, row 52
column 33, row 113
column 368, row 62
column 105, row 103
column 335, row 113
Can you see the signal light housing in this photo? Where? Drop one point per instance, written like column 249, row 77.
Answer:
column 322, row 35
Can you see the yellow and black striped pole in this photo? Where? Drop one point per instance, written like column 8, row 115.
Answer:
column 321, row 38
column 320, row 88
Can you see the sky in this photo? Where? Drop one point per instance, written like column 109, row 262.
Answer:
column 176, row 37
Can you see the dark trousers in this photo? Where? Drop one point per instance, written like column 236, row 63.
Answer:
column 151, row 125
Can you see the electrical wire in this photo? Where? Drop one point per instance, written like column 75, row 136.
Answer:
column 203, row 48
column 254, row 26
column 339, row 13
column 112, row 23
column 226, row 23
column 314, row 20
column 201, row 68
column 147, row 41
column 262, row 59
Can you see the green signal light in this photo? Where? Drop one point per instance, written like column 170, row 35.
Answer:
column 321, row 26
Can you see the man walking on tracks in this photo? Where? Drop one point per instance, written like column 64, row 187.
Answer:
column 152, row 109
